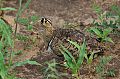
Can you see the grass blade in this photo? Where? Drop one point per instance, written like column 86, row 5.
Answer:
column 106, row 31
column 69, row 62
column 82, row 54
column 68, row 53
column 75, row 44
column 96, row 31
column 25, row 62
column 8, row 8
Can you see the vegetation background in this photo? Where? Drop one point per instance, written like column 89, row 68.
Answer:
column 24, row 43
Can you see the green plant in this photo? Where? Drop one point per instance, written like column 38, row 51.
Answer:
column 107, row 19
column 72, row 63
column 102, row 35
column 111, row 73
column 51, row 71
column 115, row 11
column 100, row 68
column 7, row 43
column 99, row 13
column 21, row 37
column 28, row 22
column 24, row 62
column 20, row 11
column 7, row 8
column 89, row 58
column 97, row 8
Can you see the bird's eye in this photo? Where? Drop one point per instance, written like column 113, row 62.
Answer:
column 45, row 21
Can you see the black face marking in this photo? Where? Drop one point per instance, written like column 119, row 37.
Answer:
column 42, row 20
column 48, row 21
column 45, row 21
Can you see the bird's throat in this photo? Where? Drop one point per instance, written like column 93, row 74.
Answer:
column 49, row 31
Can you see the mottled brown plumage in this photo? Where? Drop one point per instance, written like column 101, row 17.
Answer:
column 61, row 36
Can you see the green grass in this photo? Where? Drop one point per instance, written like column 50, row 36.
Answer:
column 51, row 72
column 20, row 11
column 102, row 35
column 72, row 63
column 7, row 45
column 107, row 19
column 28, row 22
column 101, row 67
column 100, row 29
column 111, row 73
column 7, row 41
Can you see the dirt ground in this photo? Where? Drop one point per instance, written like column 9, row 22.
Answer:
column 60, row 12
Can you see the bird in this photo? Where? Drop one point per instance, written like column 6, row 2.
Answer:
column 59, row 36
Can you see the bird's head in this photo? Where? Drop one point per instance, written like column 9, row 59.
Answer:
column 46, row 23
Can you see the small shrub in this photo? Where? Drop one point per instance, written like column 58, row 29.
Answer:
column 102, row 35
column 111, row 73
column 108, row 19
